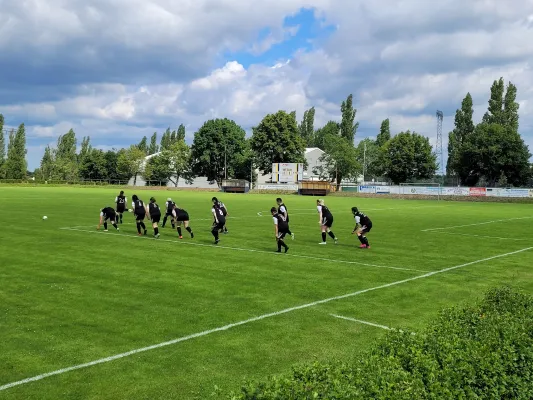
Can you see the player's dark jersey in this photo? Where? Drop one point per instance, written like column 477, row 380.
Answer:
column 282, row 209
column 363, row 219
column 219, row 215
column 138, row 207
column 154, row 210
column 326, row 213
column 121, row 203
column 170, row 207
column 180, row 214
column 108, row 213
column 222, row 207
column 281, row 222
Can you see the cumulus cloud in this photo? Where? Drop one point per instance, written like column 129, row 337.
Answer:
column 119, row 70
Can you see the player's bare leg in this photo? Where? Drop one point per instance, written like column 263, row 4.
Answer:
column 188, row 228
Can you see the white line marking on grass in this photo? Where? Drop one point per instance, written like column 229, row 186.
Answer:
column 479, row 223
column 116, row 234
column 484, row 236
column 250, row 320
column 361, row 322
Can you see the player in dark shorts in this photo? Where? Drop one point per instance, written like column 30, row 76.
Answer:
column 363, row 225
column 222, row 206
column 281, row 228
column 169, row 205
column 325, row 221
column 120, row 201
column 282, row 209
column 107, row 213
column 180, row 216
column 139, row 210
column 154, row 214
column 218, row 222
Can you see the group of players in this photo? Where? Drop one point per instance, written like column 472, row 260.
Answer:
column 178, row 217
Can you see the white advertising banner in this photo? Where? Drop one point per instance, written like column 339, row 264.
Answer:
column 456, row 191
column 367, row 189
column 278, row 187
column 503, row 192
column 424, row 190
column 383, row 189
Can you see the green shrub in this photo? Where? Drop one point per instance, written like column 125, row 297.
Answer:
column 483, row 351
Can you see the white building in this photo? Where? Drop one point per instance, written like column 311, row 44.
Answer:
column 312, row 156
column 198, row 183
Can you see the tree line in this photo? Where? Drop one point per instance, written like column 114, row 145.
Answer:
column 490, row 153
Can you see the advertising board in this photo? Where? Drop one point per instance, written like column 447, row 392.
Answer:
column 367, row 189
column 382, row 189
column 456, row 191
column 477, row 191
column 424, row 190
column 287, row 172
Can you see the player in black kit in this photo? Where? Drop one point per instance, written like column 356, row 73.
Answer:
column 180, row 216
column 326, row 221
column 140, row 213
column 218, row 222
column 281, row 228
column 169, row 205
column 222, row 206
column 282, row 209
column 120, row 201
column 363, row 225
column 154, row 215
column 107, row 213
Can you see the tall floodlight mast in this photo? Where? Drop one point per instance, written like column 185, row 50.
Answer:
column 440, row 117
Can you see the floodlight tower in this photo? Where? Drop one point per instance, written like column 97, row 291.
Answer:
column 440, row 117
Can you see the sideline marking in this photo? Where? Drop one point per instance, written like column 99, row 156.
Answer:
column 247, row 321
column 361, row 322
column 479, row 223
column 116, row 234
column 484, row 236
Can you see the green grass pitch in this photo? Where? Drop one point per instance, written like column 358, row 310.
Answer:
column 73, row 296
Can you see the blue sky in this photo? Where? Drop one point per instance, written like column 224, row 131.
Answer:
column 117, row 71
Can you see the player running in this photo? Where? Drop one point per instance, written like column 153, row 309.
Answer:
column 139, row 211
column 219, row 221
column 169, row 206
column 282, row 209
column 281, row 228
column 107, row 213
column 180, row 216
column 222, row 206
column 325, row 221
column 363, row 225
column 154, row 215
column 120, row 201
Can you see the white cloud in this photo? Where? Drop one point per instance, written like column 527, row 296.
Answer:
column 401, row 60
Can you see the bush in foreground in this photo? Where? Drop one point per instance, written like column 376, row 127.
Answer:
column 478, row 352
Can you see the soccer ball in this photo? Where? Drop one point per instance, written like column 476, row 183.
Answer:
column 45, row 217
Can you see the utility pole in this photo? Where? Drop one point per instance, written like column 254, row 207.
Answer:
column 364, row 163
column 225, row 163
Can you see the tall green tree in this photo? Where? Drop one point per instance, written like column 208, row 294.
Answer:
column 143, row 145
column 47, row 164
column 130, row 162
column 494, row 114
column 339, row 160
column 321, row 134
column 510, row 108
column 408, row 157
column 111, row 163
column 306, row 128
column 171, row 165
column 181, row 133
column 16, row 166
column 2, row 148
column 464, row 127
column 348, row 124
column 165, row 140
column 154, row 148
column 216, row 144
column 93, row 165
column 384, row 133
column 65, row 157
column 277, row 140
column 494, row 152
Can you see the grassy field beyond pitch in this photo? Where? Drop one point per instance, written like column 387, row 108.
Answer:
column 70, row 295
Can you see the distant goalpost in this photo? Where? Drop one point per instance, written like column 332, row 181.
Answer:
column 432, row 189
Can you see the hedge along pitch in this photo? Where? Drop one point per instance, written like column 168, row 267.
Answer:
column 478, row 352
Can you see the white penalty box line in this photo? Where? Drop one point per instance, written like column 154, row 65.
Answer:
column 475, row 224
column 213, row 246
column 250, row 320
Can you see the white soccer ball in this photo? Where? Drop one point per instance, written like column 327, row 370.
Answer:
column 45, row 217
